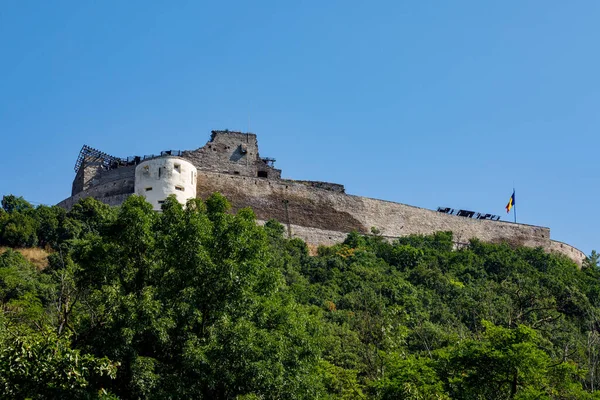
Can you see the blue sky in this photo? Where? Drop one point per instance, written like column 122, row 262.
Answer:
column 424, row 103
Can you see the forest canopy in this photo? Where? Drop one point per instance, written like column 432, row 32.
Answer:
column 199, row 302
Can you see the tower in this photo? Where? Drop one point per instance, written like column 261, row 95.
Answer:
column 157, row 178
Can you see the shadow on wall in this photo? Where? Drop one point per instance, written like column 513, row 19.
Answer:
column 237, row 154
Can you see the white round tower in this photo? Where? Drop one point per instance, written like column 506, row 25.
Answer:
column 160, row 177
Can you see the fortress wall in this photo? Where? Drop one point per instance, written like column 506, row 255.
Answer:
column 112, row 192
column 395, row 219
column 233, row 153
column 324, row 217
column 573, row 253
column 335, row 187
column 78, row 182
column 84, row 178
column 91, row 176
column 113, row 200
column 115, row 175
column 334, row 211
column 266, row 197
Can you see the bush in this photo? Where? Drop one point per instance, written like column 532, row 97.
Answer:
column 18, row 230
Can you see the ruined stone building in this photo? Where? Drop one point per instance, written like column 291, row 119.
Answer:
column 320, row 213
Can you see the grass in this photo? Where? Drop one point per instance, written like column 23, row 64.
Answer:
column 312, row 249
column 35, row 255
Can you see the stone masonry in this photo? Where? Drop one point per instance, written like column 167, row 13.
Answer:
column 318, row 212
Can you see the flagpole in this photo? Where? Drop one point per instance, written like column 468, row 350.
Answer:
column 515, row 205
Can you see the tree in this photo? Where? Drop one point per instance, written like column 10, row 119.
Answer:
column 12, row 203
column 411, row 378
column 197, row 301
column 189, row 305
column 50, row 225
column 508, row 364
column 592, row 261
column 18, row 230
column 43, row 366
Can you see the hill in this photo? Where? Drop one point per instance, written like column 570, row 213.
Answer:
column 200, row 302
column 35, row 255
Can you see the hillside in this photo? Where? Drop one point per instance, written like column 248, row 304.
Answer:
column 204, row 303
column 35, row 255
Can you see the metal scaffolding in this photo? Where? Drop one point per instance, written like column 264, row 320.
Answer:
column 89, row 154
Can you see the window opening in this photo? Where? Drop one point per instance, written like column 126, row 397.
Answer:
column 262, row 174
column 180, row 188
column 148, row 189
column 178, row 168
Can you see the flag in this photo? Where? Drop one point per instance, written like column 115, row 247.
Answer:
column 511, row 202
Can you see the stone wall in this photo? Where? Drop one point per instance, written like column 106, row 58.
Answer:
column 125, row 174
column 85, row 176
column 111, row 187
column 227, row 152
column 335, row 187
column 566, row 249
column 94, row 175
column 318, row 212
column 324, row 217
column 233, row 153
column 111, row 200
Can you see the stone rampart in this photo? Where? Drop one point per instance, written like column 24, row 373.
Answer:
column 123, row 174
column 334, row 187
column 324, row 217
column 233, row 153
column 318, row 212
column 111, row 200
column 573, row 253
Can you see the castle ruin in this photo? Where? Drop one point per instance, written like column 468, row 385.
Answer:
column 320, row 213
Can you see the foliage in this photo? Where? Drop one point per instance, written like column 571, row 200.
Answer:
column 200, row 302
column 11, row 203
column 43, row 366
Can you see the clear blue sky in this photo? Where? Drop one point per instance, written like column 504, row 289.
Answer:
column 425, row 103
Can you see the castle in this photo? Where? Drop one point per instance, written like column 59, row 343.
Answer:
column 320, row 213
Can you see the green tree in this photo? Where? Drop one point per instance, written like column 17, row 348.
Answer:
column 18, row 230
column 592, row 261
column 43, row 366
column 409, row 377
column 24, row 292
column 506, row 364
column 12, row 203
column 188, row 303
column 50, row 225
